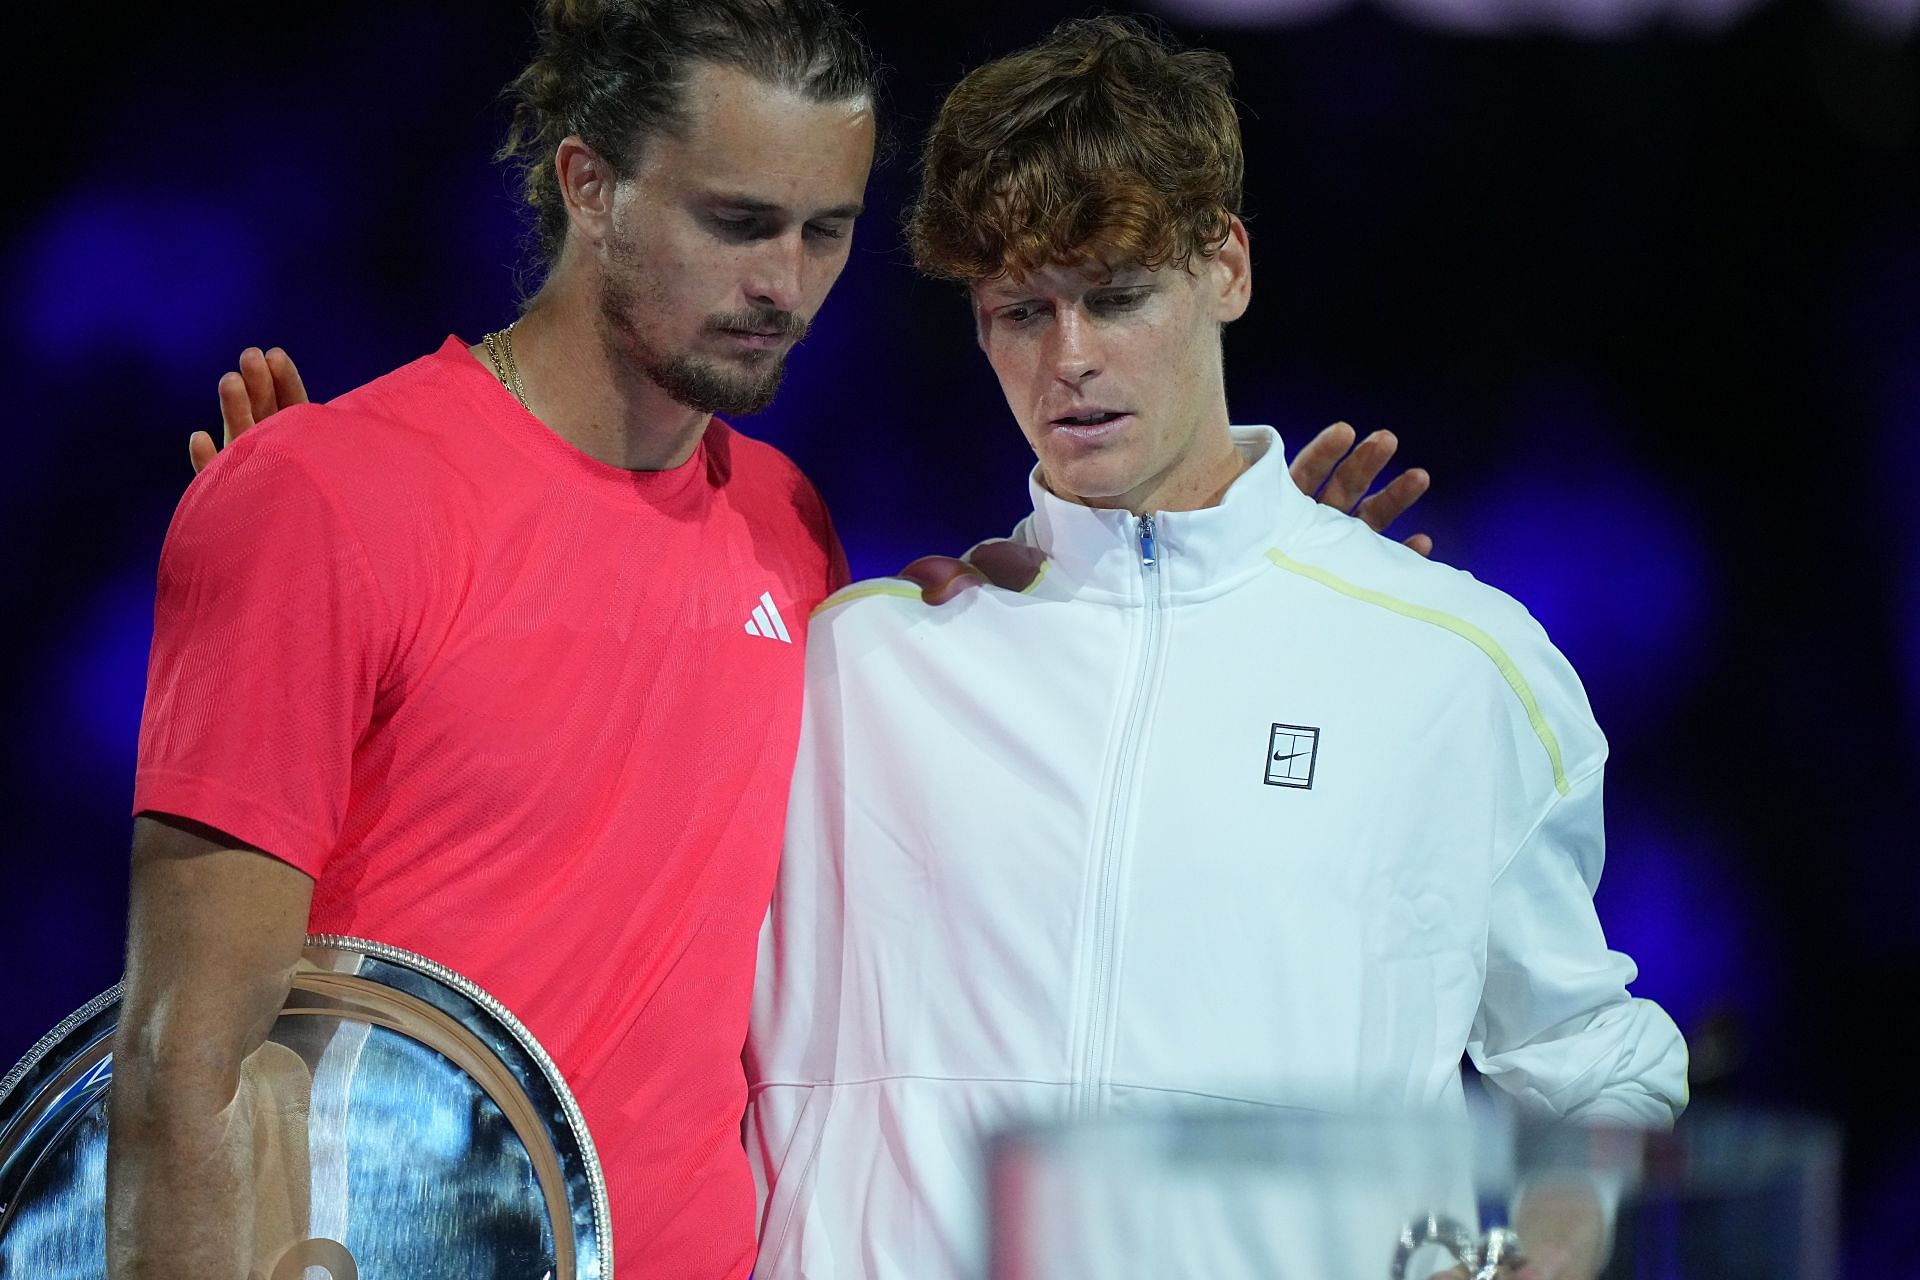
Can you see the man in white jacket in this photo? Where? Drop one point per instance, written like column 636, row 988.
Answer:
column 1237, row 802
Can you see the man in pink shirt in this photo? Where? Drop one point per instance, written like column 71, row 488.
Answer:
column 498, row 658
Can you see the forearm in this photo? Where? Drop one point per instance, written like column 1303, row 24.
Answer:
column 179, row 1171
column 206, row 1130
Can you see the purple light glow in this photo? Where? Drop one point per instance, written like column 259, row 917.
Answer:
column 1611, row 566
column 129, row 272
column 89, row 718
column 1881, row 1243
column 1670, row 900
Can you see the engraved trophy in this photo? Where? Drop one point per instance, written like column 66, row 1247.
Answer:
column 404, row 1124
column 1304, row 1196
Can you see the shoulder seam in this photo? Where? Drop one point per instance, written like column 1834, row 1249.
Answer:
column 861, row 590
column 301, row 466
column 1546, row 811
column 1446, row 622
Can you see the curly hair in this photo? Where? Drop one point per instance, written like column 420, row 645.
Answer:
column 613, row 71
column 1104, row 143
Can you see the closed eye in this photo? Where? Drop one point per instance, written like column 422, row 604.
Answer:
column 1120, row 300
column 737, row 227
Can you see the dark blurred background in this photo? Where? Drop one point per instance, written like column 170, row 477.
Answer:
column 1638, row 280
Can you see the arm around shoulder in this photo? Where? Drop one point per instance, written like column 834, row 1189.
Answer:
column 197, row 1170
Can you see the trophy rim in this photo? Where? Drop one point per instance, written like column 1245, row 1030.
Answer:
column 23, row 1070
column 517, row 1051
column 528, row 1045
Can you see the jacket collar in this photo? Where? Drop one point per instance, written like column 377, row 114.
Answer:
column 1199, row 552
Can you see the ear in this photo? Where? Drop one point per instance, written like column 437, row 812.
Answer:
column 1231, row 268
column 587, row 185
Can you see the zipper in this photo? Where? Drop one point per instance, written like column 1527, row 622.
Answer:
column 1119, row 806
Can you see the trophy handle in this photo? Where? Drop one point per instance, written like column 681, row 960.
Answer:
column 1482, row 1257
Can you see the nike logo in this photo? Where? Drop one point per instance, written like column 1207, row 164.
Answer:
column 1292, row 755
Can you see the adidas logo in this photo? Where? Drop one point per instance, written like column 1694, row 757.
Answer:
column 766, row 621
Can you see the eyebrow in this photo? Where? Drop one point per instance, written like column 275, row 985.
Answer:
column 1002, row 291
column 754, row 204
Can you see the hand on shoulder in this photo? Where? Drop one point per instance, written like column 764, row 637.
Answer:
column 265, row 383
column 1331, row 469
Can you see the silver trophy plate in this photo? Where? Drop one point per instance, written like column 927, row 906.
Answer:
column 410, row 1127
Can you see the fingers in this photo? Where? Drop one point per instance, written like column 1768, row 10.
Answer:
column 265, row 383
column 236, row 408
column 259, row 383
column 1000, row 561
column 1339, row 477
column 1388, row 505
column 941, row 578
column 200, row 451
column 288, row 389
column 1357, row 472
column 1315, row 462
column 1007, row 564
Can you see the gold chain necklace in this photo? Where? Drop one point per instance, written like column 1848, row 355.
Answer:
column 499, row 345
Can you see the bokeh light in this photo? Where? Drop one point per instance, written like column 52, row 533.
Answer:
column 1611, row 564
column 110, row 272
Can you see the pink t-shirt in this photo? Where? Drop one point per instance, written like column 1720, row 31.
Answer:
column 522, row 712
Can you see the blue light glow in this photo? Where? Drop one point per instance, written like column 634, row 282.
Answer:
column 151, row 273
column 90, row 723
column 1671, row 899
column 1611, row 565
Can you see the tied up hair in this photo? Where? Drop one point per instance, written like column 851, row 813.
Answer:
column 1103, row 144
column 613, row 73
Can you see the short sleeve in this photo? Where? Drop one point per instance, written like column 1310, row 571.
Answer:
column 269, row 640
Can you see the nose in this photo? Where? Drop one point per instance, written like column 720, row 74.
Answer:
column 776, row 273
column 1075, row 354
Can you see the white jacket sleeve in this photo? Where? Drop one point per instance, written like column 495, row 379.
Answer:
column 1556, row 1028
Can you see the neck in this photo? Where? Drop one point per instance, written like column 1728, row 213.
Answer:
column 587, row 390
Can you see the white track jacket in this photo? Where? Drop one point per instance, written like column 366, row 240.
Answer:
column 1246, row 806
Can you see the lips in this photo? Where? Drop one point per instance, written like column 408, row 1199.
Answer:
column 759, row 338
column 1090, row 423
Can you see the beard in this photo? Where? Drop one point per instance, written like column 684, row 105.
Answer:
column 733, row 388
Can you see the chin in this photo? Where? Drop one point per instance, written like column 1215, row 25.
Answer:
column 1089, row 482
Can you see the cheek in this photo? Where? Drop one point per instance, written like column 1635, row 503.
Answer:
column 1013, row 367
column 679, row 269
